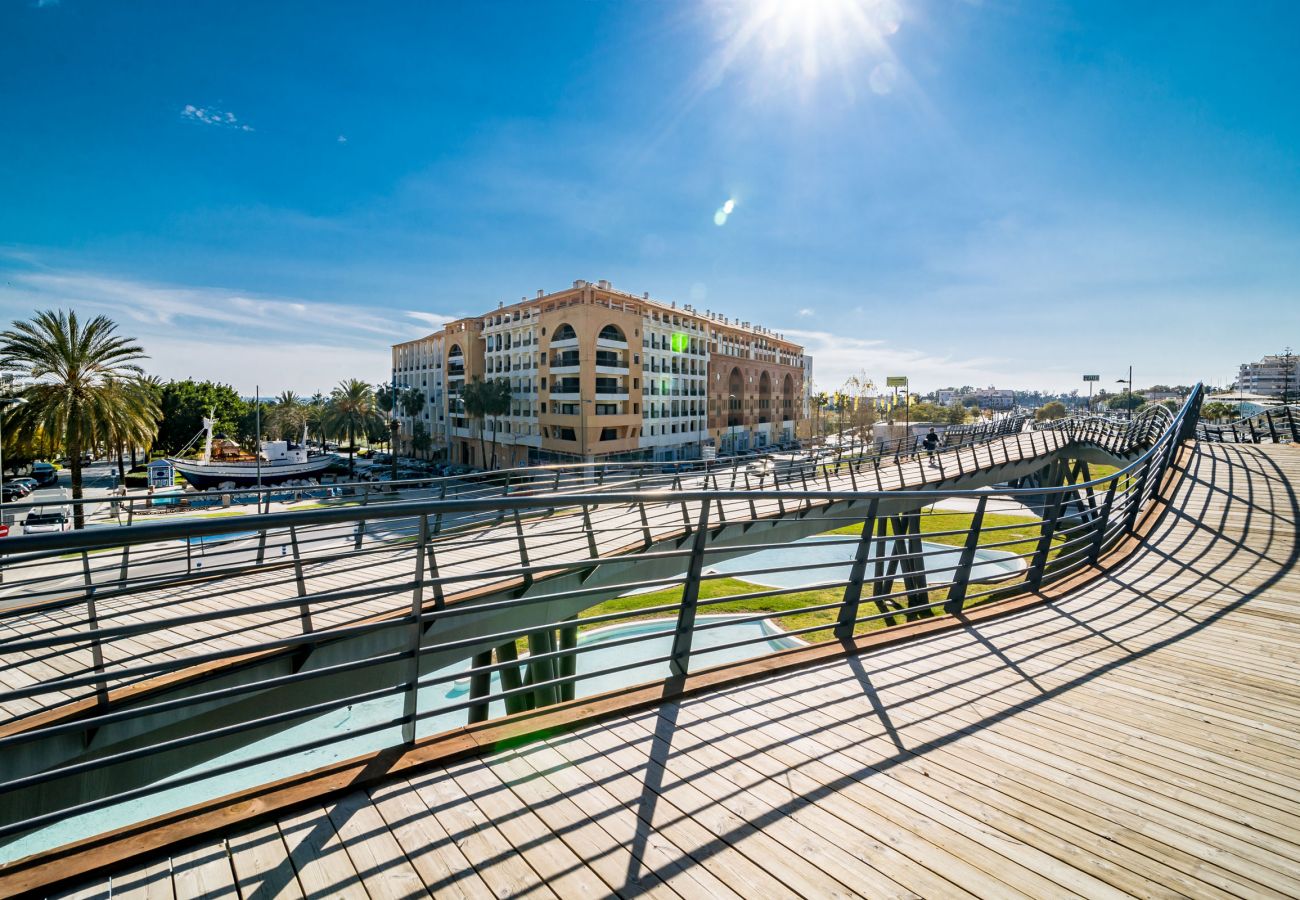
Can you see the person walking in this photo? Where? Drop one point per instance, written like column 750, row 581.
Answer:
column 931, row 444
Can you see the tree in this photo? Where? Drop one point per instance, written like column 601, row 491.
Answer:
column 487, row 400
column 351, row 411
column 288, row 417
column 184, row 405
column 81, row 392
column 1049, row 412
column 421, row 440
column 1126, row 401
column 1218, row 411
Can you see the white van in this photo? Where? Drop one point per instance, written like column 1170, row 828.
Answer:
column 45, row 522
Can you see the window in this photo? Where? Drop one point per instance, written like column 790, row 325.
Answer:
column 612, row 333
column 609, row 434
column 566, row 434
column 564, row 333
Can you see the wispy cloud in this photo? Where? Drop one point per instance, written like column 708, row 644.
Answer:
column 212, row 116
column 836, row 358
column 807, row 311
column 433, row 320
column 46, row 4
column 227, row 335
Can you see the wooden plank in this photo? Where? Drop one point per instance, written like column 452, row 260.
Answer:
column 204, row 872
column 437, row 858
column 323, row 867
column 375, row 854
column 504, row 872
column 262, row 864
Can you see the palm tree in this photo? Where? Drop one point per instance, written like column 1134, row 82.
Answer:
column 288, row 417
column 82, row 390
column 483, row 400
column 134, row 431
column 351, row 411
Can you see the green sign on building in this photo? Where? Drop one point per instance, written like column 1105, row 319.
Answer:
column 680, row 342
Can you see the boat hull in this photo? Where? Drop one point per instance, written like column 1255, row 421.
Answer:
column 245, row 475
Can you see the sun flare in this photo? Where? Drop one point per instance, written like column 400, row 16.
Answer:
column 807, row 40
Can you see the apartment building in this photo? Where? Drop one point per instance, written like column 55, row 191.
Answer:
column 597, row 373
column 1271, row 376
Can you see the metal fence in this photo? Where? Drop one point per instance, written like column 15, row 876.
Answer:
column 135, row 667
column 1278, row 425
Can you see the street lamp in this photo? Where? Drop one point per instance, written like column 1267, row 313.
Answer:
column 5, row 403
column 1129, row 404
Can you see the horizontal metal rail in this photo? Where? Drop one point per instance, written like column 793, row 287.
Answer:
column 513, row 589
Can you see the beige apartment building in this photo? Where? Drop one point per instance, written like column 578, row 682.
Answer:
column 597, row 373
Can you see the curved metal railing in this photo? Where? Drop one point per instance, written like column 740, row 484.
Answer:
column 474, row 607
column 1277, row 424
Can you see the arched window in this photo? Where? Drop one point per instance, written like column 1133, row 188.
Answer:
column 564, row 333
column 612, row 333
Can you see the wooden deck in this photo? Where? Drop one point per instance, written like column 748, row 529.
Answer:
column 385, row 573
column 1140, row 737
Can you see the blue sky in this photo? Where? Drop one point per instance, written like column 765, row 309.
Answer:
column 994, row 192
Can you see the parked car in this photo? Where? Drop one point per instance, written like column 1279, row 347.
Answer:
column 12, row 493
column 46, row 522
column 31, row 483
column 44, row 473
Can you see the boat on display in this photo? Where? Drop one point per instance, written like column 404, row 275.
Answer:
column 225, row 465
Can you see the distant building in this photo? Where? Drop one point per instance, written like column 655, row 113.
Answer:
column 992, row 398
column 1270, row 376
column 947, row 397
column 597, row 373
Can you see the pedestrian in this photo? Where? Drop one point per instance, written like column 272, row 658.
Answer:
column 931, row 444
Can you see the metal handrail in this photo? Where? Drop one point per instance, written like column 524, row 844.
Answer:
column 678, row 524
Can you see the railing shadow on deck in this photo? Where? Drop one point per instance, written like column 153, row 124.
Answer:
column 1140, row 485
column 1136, row 589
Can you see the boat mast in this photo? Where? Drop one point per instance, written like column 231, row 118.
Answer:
column 207, row 440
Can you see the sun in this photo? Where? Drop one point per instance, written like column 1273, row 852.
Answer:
column 805, row 41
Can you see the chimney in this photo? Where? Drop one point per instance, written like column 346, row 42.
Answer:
column 540, row 293
column 579, row 283
column 603, row 284
column 645, row 295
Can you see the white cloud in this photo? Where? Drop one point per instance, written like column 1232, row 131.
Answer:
column 433, row 320
column 211, row 116
column 226, row 335
column 342, row 139
column 806, row 312
column 836, row 358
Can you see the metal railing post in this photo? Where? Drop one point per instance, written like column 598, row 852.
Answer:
column 685, row 630
column 853, row 590
column 361, row 523
column 437, row 519
column 1101, row 521
column 300, row 578
column 92, row 620
column 523, row 551
column 961, row 578
column 410, row 698
column 591, row 533
column 1039, row 564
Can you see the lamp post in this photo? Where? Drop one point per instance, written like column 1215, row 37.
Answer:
column 5, row 403
column 1128, row 391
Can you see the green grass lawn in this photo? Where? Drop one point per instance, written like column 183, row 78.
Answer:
column 1020, row 530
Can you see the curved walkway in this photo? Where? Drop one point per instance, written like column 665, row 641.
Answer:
column 1140, row 736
